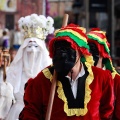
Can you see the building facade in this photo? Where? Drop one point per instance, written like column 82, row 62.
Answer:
column 12, row 10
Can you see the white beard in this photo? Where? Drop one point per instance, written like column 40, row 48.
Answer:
column 31, row 63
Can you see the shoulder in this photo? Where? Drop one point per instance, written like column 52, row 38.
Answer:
column 100, row 71
column 117, row 79
column 102, row 75
column 43, row 77
column 117, row 76
column 40, row 82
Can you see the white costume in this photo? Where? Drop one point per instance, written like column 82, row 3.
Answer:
column 6, row 96
column 31, row 58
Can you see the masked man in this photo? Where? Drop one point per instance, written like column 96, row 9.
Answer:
column 80, row 92
column 99, row 48
column 31, row 57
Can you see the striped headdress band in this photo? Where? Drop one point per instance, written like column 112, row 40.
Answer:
column 99, row 38
column 73, row 34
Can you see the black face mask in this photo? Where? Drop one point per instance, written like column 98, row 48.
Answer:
column 95, row 53
column 64, row 58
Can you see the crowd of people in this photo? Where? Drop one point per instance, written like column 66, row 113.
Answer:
column 79, row 62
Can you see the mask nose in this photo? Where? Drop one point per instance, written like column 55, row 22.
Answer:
column 61, row 55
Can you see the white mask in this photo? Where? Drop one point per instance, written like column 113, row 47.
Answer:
column 32, row 55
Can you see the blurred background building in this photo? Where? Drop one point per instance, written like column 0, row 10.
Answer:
column 12, row 10
column 87, row 13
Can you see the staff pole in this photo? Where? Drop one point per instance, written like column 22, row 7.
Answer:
column 54, row 81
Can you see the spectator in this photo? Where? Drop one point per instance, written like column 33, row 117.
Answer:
column 5, row 39
column 16, row 38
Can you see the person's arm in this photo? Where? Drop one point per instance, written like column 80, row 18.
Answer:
column 32, row 101
column 106, row 103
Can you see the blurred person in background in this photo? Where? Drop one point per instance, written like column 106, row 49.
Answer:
column 6, row 90
column 5, row 39
column 49, row 37
column 1, row 30
column 2, row 66
column 16, row 38
column 99, row 47
column 31, row 57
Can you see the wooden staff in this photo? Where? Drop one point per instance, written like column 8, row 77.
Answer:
column 65, row 20
column 54, row 81
column 6, row 58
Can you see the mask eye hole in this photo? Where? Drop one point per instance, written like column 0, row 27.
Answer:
column 61, row 44
column 93, row 49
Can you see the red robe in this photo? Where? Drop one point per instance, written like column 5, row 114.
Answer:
column 99, row 106
column 116, row 114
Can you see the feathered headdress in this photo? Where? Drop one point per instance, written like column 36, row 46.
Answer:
column 36, row 26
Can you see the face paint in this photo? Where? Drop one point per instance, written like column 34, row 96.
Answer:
column 95, row 53
column 32, row 47
column 64, row 57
